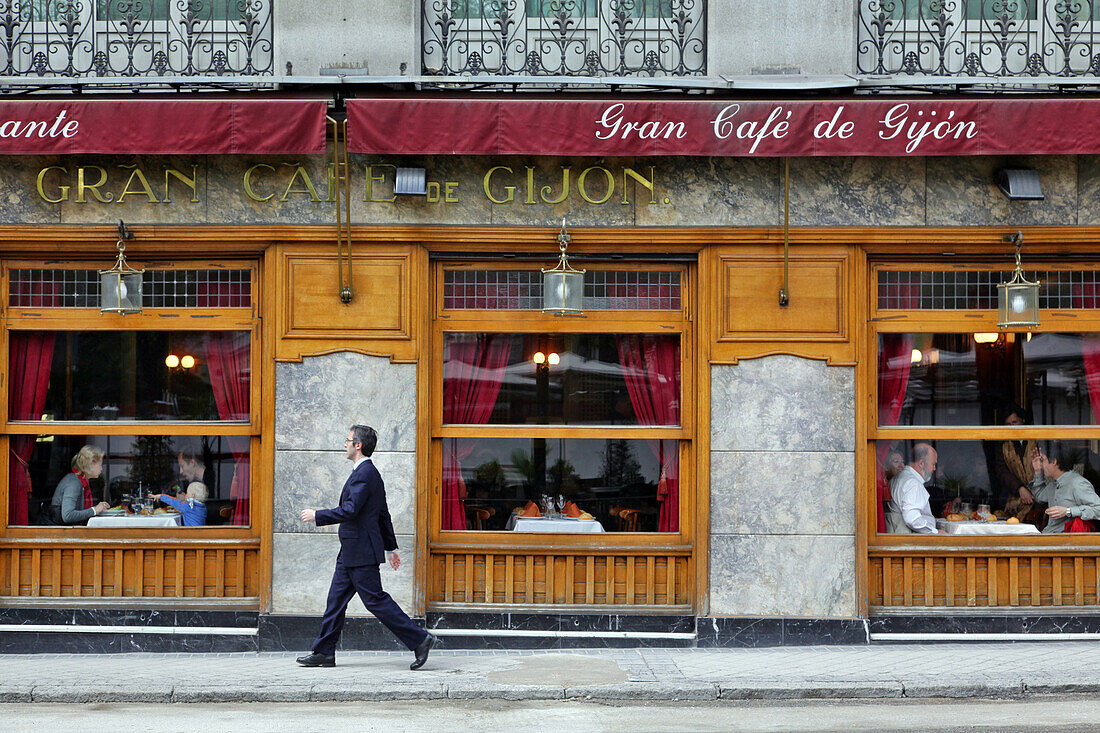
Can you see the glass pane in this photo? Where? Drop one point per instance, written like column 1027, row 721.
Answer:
column 974, row 290
column 925, row 482
column 622, row 485
column 556, row 379
column 133, row 466
column 129, row 375
column 983, row 379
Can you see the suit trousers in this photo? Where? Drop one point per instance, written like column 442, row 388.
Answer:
column 367, row 582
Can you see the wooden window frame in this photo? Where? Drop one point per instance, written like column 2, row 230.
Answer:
column 535, row 322
column 962, row 321
column 159, row 319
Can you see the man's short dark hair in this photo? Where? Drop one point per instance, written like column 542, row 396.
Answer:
column 365, row 435
column 1018, row 411
column 1062, row 455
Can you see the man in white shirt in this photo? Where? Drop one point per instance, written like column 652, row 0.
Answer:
column 908, row 511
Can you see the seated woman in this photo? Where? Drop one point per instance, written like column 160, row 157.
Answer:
column 72, row 499
column 193, row 506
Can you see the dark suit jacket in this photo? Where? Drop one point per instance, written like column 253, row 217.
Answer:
column 366, row 532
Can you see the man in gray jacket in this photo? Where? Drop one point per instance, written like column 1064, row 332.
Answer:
column 1068, row 493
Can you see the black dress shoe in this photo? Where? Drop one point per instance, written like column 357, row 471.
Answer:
column 319, row 660
column 421, row 652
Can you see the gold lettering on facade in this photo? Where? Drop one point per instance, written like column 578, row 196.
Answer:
column 373, row 179
column 583, row 190
column 564, row 188
column 530, row 200
column 433, row 192
column 648, row 184
column 300, row 172
column 249, row 190
column 62, row 191
column 450, row 192
column 145, row 187
column 331, row 184
column 170, row 173
column 486, row 182
column 82, row 185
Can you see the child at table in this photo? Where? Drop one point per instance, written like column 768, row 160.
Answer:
column 193, row 507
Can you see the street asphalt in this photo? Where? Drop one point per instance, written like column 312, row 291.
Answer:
column 948, row 670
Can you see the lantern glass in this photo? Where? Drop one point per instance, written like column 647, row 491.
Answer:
column 563, row 292
column 120, row 291
column 1018, row 304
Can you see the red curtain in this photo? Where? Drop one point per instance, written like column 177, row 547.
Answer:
column 29, row 375
column 473, row 373
column 894, row 363
column 651, row 368
column 229, row 364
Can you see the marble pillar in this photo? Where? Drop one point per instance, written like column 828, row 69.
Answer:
column 316, row 402
column 782, row 483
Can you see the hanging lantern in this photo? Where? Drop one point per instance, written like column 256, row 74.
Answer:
column 562, row 286
column 1017, row 299
column 120, row 287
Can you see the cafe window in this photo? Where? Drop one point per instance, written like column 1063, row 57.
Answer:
column 125, row 409
column 561, row 425
column 1004, row 414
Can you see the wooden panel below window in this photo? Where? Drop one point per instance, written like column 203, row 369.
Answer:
column 132, row 571
column 988, row 580
column 561, row 579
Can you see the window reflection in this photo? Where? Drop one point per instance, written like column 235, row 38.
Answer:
column 133, row 467
column 967, row 476
column 976, row 379
column 129, row 375
column 575, row 379
column 625, row 485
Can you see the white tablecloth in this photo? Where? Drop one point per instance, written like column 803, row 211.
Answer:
column 541, row 524
column 136, row 520
column 984, row 528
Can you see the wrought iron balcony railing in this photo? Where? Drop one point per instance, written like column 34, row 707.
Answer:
column 564, row 37
column 1005, row 38
column 75, row 38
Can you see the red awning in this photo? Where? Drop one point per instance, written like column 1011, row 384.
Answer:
column 163, row 127
column 882, row 126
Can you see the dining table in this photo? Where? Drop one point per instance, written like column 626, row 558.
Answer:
column 974, row 527
column 517, row 523
column 116, row 519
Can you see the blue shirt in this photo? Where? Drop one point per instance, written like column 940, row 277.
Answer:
column 193, row 512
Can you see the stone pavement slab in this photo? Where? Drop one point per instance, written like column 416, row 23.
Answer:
column 949, row 670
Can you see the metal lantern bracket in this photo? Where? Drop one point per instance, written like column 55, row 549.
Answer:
column 1018, row 299
column 562, row 286
column 120, row 287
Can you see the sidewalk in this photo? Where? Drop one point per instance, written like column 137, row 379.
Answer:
column 881, row 671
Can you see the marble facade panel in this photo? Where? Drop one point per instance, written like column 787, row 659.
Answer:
column 318, row 399
column 314, row 478
column 856, row 191
column 301, row 569
column 19, row 199
column 782, row 493
column 1088, row 190
column 782, row 403
column 783, row 575
column 961, row 191
column 711, row 192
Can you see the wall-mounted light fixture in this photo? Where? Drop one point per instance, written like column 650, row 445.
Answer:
column 562, row 286
column 1018, row 299
column 1019, row 184
column 120, row 287
column 410, row 182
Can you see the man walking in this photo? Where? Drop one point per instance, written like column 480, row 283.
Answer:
column 365, row 534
